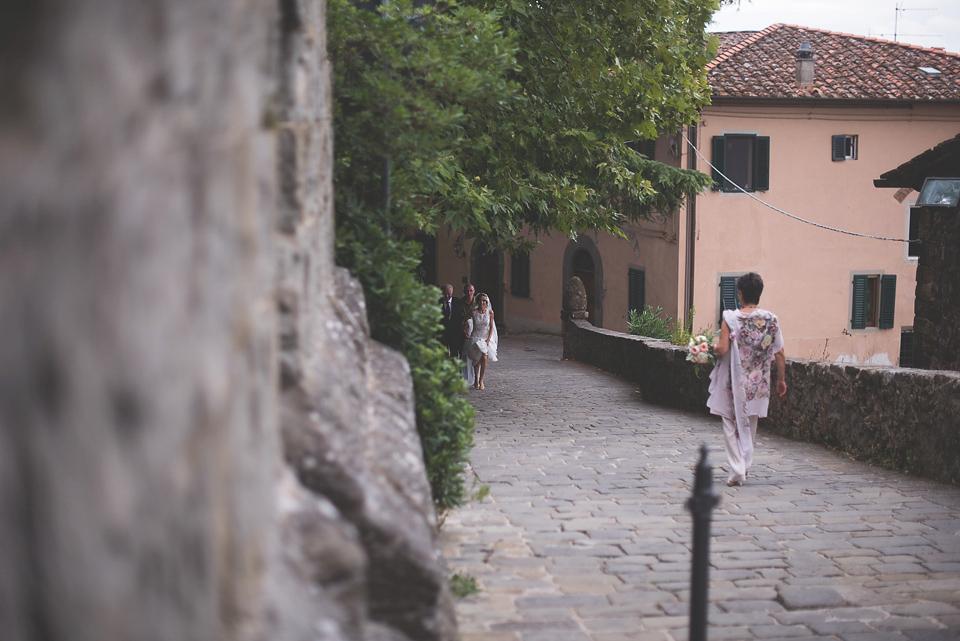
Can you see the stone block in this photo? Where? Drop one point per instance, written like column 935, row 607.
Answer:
column 807, row 598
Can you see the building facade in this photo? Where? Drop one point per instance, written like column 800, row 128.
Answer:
column 801, row 122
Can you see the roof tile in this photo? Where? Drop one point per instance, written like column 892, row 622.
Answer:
column 762, row 64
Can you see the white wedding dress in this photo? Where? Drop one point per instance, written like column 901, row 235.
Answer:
column 477, row 344
column 478, row 326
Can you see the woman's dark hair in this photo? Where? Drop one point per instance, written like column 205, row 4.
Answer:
column 751, row 286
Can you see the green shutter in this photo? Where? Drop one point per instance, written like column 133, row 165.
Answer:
column 761, row 163
column 649, row 148
column 888, row 300
column 728, row 294
column 636, row 287
column 719, row 146
column 838, row 148
column 859, row 319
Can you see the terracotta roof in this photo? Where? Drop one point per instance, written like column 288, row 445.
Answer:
column 732, row 38
column 762, row 64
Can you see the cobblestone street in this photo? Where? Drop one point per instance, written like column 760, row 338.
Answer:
column 585, row 537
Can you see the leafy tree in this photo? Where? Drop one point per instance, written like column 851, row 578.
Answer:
column 594, row 76
column 502, row 119
column 402, row 83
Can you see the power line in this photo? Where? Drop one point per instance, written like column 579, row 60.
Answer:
column 780, row 211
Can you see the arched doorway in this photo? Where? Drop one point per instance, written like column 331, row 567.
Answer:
column 583, row 269
column 582, row 259
column 488, row 278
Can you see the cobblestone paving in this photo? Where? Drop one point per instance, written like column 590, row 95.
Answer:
column 585, row 538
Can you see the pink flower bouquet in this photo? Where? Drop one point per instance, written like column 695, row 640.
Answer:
column 700, row 349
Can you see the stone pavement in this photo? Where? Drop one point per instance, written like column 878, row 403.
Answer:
column 585, row 537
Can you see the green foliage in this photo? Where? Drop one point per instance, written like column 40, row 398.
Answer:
column 444, row 420
column 403, row 314
column 496, row 118
column 649, row 323
column 463, row 585
column 682, row 334
column 401, row 89
column 504, row 117
column 594, row 76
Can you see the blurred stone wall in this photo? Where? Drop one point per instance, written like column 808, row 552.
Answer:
column 198, row 440
column 937, row 307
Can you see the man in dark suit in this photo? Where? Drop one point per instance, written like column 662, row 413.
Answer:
column 451, row 319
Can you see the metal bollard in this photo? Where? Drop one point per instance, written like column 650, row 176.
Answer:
column 701, row 504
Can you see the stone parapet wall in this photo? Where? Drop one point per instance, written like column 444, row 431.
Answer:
column 903, row 418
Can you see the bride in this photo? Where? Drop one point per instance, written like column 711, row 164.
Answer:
column 482, row 340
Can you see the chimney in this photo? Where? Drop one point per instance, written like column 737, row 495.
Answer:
column 805, row 61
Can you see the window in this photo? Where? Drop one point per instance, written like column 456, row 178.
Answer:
column 636, row 289
column 906, row 347
column 646, row 147
column 520, row 275
column 728, row 295
column 874, row 298
column 843, row 147
column 744, row 160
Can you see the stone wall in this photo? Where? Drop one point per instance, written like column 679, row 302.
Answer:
column 937, row 306
column 198, row 440
column 903, row 418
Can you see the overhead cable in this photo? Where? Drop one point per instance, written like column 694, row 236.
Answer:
column 780, row 211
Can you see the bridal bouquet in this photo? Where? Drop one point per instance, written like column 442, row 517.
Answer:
column 700, row 349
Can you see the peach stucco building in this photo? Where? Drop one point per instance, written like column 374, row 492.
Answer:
column 803, row 131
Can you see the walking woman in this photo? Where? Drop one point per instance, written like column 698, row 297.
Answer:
column 750, row 339
column 482, row 339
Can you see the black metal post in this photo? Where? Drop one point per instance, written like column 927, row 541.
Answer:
column 701, row 504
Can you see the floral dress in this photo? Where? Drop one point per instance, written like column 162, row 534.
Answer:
column 740, row 383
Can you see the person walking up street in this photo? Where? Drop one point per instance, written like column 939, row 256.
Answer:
column 750, row 339
column 482, row 344
column 451, row 320
column 468, row 301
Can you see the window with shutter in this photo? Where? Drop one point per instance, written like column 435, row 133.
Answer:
column 874, row 301
column 761, row 165
column 728, row 295
column 745, row 161
column 649, row 149
column 838, row 145
column 636, row 286
column 858, row 320
column 646, row 147
column 888, row 300
column 520, row 275
column 843, row 147
column 718, row 149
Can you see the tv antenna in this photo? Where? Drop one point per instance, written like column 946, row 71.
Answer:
column 898, row 9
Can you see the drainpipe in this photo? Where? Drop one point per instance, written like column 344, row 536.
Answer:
column 691, row 230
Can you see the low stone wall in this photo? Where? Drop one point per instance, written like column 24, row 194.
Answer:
column 903, row 418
